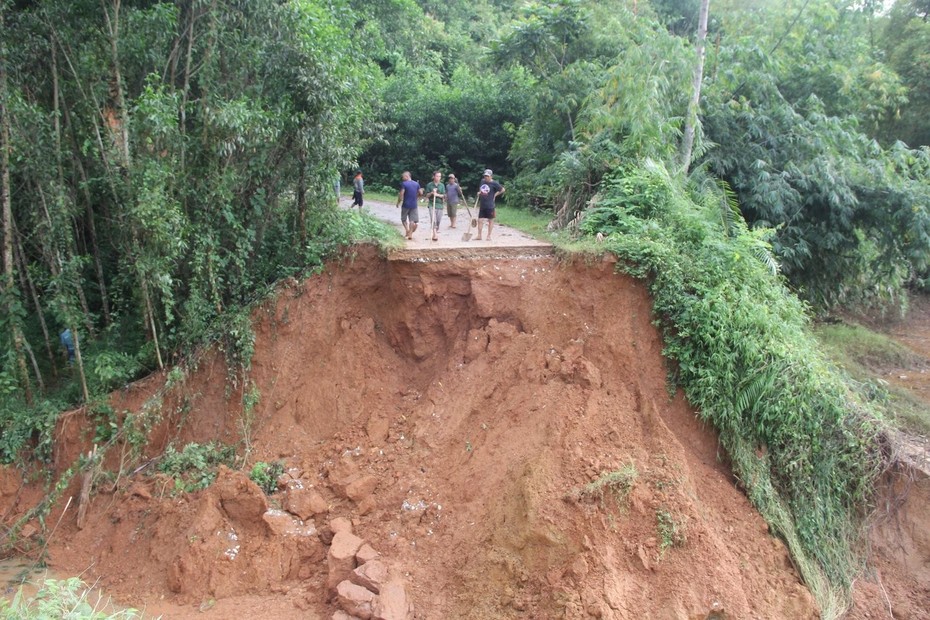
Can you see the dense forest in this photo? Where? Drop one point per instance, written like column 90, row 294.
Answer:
column 165, row 163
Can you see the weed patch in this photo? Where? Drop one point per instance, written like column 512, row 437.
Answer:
column 618, row 483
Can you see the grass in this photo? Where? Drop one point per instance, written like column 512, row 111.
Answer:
column 619, row 483
column 868, row 356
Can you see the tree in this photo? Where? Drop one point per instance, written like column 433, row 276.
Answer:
column 691, row 120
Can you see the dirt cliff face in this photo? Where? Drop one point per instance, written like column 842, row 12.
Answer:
column 497, row 432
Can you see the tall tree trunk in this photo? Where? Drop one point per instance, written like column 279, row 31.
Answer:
column 9, row 280
column 687, row 141
column 302, row 193
column 91, row 228
column 118, row 95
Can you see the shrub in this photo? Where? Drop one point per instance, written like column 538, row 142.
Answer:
column 799, row 438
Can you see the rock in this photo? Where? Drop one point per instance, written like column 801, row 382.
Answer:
column 367, row 505
column 280, row 523
column 340, row 524
column 361, row 488
column 644, row 557
column 304, row 502
column 240, row 498
column 366, row 553
column 392, row 603
column 341, row 615
column 342, row 473
column 355, row 600
column 340, row 561
column 283, row 524
column 587, row 374
column 371, row 575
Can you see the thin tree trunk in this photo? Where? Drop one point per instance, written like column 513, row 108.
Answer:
column 7, row 223
column 113, row 28
column 687, row 142
column 56, row 263
column 150, row 315
column 35, row 366
column 185, row 91
column 87, row 200
column 34, row 294
column 302, row 194
column 79, row 360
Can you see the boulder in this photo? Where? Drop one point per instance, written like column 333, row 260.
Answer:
column 354, row 599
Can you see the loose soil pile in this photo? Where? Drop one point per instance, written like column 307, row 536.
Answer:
column 497, row 433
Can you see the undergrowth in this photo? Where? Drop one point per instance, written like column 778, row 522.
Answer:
column 800, row 440
column 68, row 598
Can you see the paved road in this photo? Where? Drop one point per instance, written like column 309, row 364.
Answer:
column 505, row 241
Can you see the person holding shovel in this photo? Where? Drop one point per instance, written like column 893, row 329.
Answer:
column 407, row 196
column 436, row 192
column 453, row 195
column 488, row 191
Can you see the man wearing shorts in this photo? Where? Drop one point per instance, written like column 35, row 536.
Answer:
column 488, row 191
column 407, row 201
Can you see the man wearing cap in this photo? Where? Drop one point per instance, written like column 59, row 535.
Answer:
column 488, row 191
column 407, row 196
column 453, row 195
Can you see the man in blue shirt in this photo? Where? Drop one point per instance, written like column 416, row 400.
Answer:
column 407, row 201
column 67, row 341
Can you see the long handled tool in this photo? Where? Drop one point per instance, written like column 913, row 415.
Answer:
column 432, row 224
column 472, row 222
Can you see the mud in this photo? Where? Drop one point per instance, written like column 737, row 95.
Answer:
column 455, row 414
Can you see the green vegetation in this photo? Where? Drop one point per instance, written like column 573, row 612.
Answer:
column 165, row 163
column 194, row 467
column 68, row 598
column 671, row 532
column 266, row 475
column 800, row 441
column 868, row 357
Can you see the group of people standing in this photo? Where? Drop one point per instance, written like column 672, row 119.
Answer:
column 449, row 194
column 437, row 194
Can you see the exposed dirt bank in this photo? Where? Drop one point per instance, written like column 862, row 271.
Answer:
column 455, row 414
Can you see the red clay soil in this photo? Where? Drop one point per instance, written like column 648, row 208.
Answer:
column 457, row 414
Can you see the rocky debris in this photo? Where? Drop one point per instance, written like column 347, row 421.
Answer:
column 340, row 524
column 284, row 524
column 355, row 599
column 360, row 488
column 242, row 500
column 371, row 575
column 340, row 561
column 364, row 586
column 367, row 553
column 304, row 502
column 392, row 603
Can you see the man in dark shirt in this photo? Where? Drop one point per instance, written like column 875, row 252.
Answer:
column 407, row 201
column 488, row 191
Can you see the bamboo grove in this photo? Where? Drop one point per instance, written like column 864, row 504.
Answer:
column 161, row 162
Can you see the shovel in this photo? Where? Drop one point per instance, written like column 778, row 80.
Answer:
column 472, row 221
column 432, row 226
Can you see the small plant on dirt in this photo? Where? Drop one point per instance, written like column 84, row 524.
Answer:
column 671, row 532
column 266, row 475
column 68, row 598
column 619, row 482
column 250, row 398
column 194, row 468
